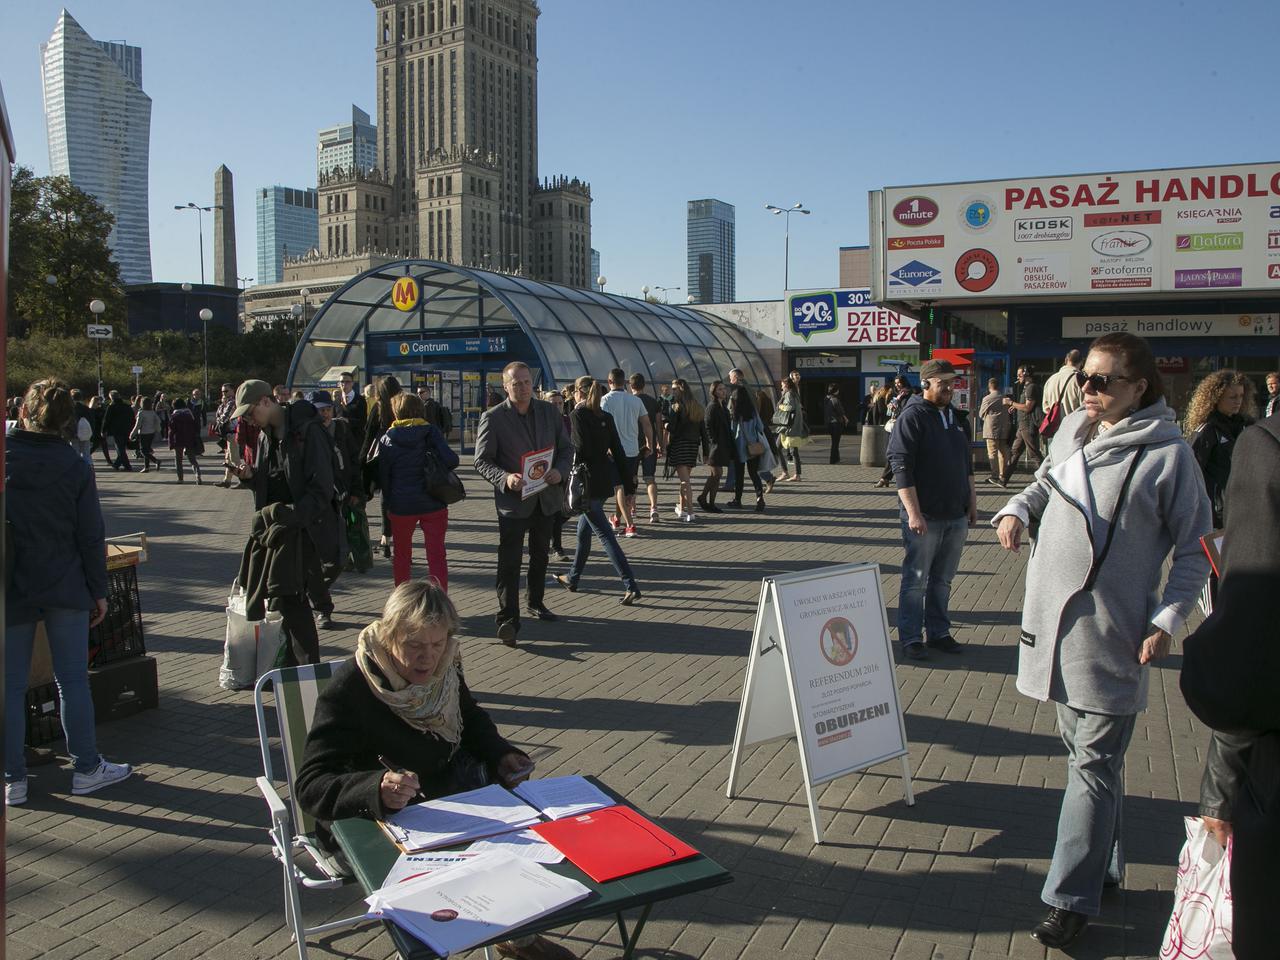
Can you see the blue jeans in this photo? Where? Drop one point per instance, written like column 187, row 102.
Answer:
column 593, row 521
column 1088, row 849
column 927, row 571
column 68, row 632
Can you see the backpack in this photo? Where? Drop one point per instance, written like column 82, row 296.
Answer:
column 84, row 431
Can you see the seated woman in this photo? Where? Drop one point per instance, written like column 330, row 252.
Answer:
column 403, row 698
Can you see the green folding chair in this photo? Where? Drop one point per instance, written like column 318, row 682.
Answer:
column 295, row 691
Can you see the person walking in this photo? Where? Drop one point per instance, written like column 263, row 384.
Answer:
column 556, row 399
column 685, row 434
column 793, row 431
column 1027, row 414
column 185, row 440
column 631, row 418
column 199, row 410
column 377, row 423
column 351, row 403
column 837, row 420
column 597, row 446
column 1273, row 395
column 1062, row 390
column 719, row 445
column 81, row 426
column 1222, row 405
column 765, row 409
column 346, row 479
column 749, row 447
column 402, row 466
column 898, row 395
column 994, row 413
column 116, row 424
column 648, row 470
column 57, row 573
column 164, row 410
column 1119, row 492
column 97, row 410
column 146, row 425
column 224, row 428
column 508, row 431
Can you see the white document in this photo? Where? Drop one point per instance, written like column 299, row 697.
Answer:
column 459, row 818
column 534, row 467
column 560, row 797
column 410, row 866
column 457, row 908
column 524, row 844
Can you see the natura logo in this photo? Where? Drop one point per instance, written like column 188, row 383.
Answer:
column 813, row 313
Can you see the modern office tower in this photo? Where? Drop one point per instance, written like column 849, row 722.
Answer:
column 99, row 129
column 288, row 226
column 350, row 145
column 457, row 88
column 224, row 229
column 595, row 270
column 712, row 273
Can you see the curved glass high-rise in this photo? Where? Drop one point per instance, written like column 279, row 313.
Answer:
column 99, row 128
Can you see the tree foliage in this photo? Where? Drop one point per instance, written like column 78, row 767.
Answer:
column 57, row 230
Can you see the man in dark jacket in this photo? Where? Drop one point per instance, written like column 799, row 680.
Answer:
column 346, row 450
column 294, row 465
column 352, row 404
column 1230, row 675
column 929, row 456
column 116, row 424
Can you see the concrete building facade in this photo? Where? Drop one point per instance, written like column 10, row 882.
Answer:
column 351, row 145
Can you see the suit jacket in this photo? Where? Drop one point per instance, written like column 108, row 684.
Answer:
column 503, row 438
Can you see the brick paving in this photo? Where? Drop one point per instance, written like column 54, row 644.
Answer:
column 174, row 863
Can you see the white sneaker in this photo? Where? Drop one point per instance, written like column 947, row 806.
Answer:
column 106, row 774
column 687, row 518
column 15, row 792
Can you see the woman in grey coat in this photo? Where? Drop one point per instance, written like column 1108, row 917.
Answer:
column 1118, row 491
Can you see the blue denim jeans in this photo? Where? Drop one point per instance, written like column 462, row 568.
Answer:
column 68, row 632
column 593, row 521
column 927, row 571
column 1088, row 849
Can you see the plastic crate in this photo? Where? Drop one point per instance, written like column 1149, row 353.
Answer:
column 119, row 635
column 44, row 725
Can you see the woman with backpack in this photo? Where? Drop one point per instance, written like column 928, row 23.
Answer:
column 402, row 473
column 749, row 445
column 379, row 422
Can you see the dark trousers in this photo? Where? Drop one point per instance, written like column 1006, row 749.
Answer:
column 121, row 440
column 300, row 629
column 145, row 442
column 752, row 466
column 1028, row 439
column 511, row 534
column 191, row 458
column 794, row 454
column 836, row 434
column 321, row 598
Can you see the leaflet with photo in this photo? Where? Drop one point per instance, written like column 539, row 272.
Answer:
column 534, row 467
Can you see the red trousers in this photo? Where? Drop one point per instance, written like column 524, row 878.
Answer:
column 433, row 526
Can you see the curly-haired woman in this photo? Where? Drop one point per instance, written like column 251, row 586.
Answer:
column 1223, row 404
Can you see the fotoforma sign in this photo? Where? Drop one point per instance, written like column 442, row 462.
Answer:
column 821, row 669
column 1206, row 228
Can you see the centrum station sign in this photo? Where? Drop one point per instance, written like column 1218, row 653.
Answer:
column 1205, row 228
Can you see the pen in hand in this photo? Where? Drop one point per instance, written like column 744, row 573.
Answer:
column 397, row 770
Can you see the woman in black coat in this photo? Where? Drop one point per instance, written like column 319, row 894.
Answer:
column 719, row 435
column 379, row 422
column 596, row 445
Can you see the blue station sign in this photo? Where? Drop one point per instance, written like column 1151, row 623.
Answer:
column 444, row 347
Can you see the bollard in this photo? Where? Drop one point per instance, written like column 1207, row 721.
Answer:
column 872, row 449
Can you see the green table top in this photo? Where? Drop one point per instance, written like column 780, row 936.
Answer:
column 371, row 855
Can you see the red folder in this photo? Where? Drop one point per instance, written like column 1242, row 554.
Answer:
column 614, row 842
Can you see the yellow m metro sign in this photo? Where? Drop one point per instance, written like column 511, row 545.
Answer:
column 405, row 294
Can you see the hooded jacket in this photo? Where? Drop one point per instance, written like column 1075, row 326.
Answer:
column 1109, row 514
column 53, row 524
column 275, row 562
column 1212, row 445
column 929, row 450
column 402, row 462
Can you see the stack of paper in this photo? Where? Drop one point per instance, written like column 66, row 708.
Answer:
column 458, row 819
column 411, row 866
column 462, row 906
column 560, row 797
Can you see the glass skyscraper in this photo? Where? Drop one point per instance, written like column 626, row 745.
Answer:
column 99, row 129
column 712, row 270
column 288, row 225
column 350, row 144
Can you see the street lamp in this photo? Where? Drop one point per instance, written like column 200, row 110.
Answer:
column 245, row 281
column 786, row 257
column 600, row 282
column 98, row 308
column 644, row 292
column 200, row 211
column 205, row 316
column 665, row 291
column 690, row 299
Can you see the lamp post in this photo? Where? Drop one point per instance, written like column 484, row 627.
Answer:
column 296, row 311
column 200, row 212
column 690, row 299
column 98, row 308
column 644, row 293
column 665, row 291
column 244, row 282
column 786, row 257
column 205, row 316
column 600, row 282
column 186, row 305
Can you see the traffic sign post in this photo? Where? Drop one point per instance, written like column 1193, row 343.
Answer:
column 137, row 384
column 98, row 332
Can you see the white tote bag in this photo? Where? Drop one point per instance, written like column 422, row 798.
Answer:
column 1200, row 927
column 252, row 646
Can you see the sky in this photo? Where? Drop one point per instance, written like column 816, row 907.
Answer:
column 660, row 102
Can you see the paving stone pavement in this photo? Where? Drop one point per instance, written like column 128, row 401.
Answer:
column 174, row 863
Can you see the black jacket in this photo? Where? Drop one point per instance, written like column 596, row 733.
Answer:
column 1230, row 678
column 929, row 450
column 1213, row 444
column 277, row 561
column 595, row 440
column 719, row 435
column 118, row 420
column 340, row 772
column 54, row 527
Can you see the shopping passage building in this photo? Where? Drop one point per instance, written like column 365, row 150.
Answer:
column 454, row 329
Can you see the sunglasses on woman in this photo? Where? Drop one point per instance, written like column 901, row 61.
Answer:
column 1101, row 382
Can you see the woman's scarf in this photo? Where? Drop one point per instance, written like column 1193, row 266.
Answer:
column 432, row 707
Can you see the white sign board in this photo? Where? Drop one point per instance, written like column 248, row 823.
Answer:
column 821, row 668
column 135, row 370
column 100, row 331
column 1176, row 325
column 1207, row 229
column 823, row 319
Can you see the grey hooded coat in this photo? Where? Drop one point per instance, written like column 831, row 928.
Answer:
column 1109, row 514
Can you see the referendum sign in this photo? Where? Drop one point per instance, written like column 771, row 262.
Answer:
column 1175, row 325
column 828, row 319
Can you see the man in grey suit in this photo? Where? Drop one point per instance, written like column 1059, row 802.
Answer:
column 508, row 431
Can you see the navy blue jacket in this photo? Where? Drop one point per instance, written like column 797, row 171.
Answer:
column 55, row 526
column 402, row 458
column 929, row 450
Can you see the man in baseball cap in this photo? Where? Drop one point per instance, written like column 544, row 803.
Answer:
column 248, row 394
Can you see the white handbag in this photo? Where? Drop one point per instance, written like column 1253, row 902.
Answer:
column 252, row 647
column 1200, row 926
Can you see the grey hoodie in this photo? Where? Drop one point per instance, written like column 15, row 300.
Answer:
column 1093, row 591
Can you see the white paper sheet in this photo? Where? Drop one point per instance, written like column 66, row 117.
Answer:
column 456, row 819
column 409, row 866
column 560, row 797
column 524, row 844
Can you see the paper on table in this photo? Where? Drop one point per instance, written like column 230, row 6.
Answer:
column 458, row 818
column 409, row 866
column 524, row 844
column 560, row 797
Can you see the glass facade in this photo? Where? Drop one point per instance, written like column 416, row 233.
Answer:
column 99, row 127
column 349, row 145
column 712, row 269
column 288, row 225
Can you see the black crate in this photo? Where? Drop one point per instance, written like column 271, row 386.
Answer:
column 119, row 635
column 44, row 725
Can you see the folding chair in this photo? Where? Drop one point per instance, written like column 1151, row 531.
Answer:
column 295, row 691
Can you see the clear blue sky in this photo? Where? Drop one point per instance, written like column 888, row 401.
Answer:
column 751, row 102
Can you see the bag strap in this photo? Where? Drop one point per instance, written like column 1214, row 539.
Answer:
column 1115, row 519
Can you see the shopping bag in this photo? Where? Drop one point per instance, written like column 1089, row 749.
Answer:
column 252, row 647
column 358, row 544
column 1200, row 926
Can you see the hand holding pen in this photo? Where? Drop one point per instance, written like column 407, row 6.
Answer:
column 398, row 786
